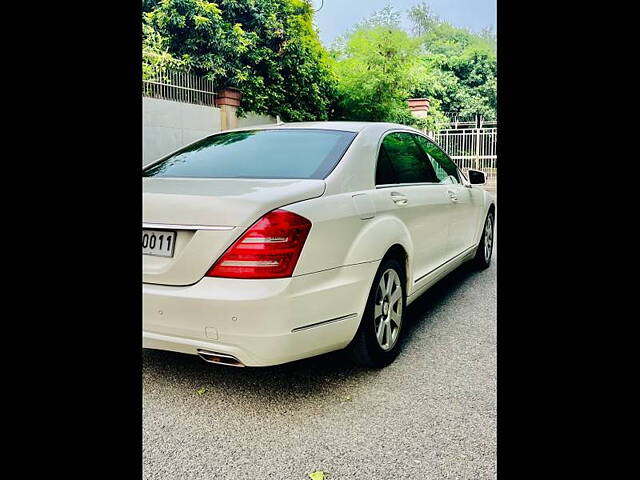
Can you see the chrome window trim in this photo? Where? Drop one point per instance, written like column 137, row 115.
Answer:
column 421, row 184
column 375, row 170
column 463, row 179
column 166, row 226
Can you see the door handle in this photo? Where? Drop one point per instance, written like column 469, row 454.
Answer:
column 398, row 198
column 453, row 196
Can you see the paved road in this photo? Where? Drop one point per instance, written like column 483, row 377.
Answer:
column 430, row 415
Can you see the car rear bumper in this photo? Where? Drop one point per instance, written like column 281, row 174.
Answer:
column 259, row 322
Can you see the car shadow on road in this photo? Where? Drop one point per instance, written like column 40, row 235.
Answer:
column 418, row 313
column 328, row 374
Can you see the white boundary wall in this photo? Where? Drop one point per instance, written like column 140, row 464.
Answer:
column 168, row 125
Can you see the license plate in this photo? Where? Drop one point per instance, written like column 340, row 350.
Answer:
column 160, row 243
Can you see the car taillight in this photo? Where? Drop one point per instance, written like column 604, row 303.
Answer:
column 269, row 249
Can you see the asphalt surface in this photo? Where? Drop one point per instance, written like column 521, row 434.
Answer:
column 429, row 415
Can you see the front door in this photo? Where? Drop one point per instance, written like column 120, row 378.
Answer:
column 466, row 202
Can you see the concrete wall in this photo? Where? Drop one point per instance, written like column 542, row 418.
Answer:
column 169, row 125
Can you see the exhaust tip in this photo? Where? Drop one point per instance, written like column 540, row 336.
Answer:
column 219, row 358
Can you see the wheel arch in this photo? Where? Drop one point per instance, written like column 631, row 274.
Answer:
column 398, row 252
column 488, row 205
column 392, row 238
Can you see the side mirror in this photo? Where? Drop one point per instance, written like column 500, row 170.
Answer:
column 476, row 177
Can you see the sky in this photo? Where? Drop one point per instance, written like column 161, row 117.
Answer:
column 337, row 16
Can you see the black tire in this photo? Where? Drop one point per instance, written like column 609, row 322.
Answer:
column 364, row 349
column 480, row 261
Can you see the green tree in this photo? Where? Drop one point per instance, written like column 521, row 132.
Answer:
column 155, row 54
column 423, row 19
column 489, row 35
column 461, row 65
column 464, row 84
column 386, row 17
column 378, row 66
column 376, row 72
column 268, row 49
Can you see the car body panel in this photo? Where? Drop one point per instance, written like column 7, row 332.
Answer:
column 425, row 217
column 208, row 215
column 339, row 237
column 467, row 207
column 260, row 322
column 223, row 201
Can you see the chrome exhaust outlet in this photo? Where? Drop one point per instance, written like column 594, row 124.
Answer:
column 219, row 358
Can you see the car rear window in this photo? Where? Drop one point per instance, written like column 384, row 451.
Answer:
column 281, row 153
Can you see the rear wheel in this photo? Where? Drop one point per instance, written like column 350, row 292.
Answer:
column 377, row 341
column 482, row 259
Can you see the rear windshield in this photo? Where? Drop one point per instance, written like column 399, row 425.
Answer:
column 281, row 153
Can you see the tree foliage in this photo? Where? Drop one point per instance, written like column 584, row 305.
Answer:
column 378, row 66
column 464, row 84
column 423, row 19
column 155, row 53
column 376, row 72
column 461, row 65
column 268, row 49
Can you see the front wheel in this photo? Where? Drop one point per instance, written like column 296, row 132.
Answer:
column 482, row 259
column 377, row 341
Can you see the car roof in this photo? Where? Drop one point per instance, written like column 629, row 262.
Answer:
column 328, row 125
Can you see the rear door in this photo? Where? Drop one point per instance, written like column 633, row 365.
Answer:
column 466, row 202
column 407, row 187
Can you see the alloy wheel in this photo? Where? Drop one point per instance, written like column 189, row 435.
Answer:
column 488, row 238
column 388, row 309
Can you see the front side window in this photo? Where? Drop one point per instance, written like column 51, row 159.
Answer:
column 445, row 169
column 277, row 153
column 408, row 161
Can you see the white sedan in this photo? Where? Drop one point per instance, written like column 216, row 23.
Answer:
column 266, row 245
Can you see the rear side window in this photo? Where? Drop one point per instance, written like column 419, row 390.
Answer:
column 281, row 153
column 409, row 163
column 384, row 171
column 445, row 169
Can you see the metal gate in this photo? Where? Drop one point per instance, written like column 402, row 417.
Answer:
column 472, row 148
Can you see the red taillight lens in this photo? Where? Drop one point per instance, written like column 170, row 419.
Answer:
column 269, row 249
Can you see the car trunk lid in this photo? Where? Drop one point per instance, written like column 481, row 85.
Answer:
column 207, row 216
